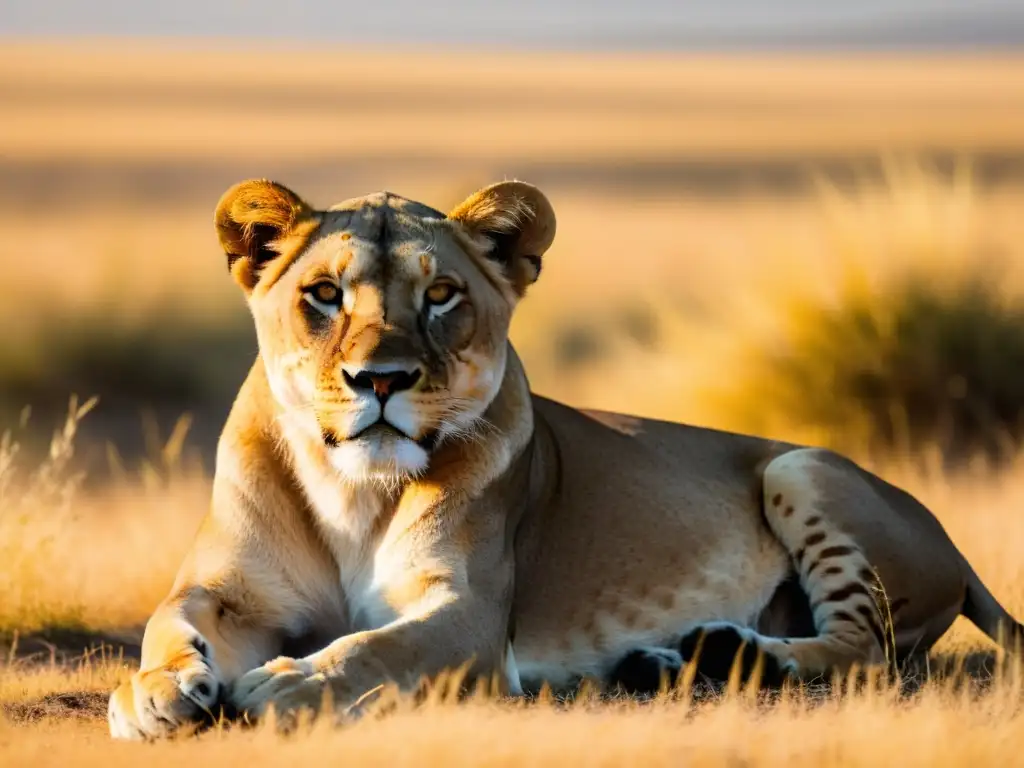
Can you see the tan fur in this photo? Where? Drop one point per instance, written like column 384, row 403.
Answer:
column 488, row 526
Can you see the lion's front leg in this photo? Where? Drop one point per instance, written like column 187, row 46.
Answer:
column 402, row 653
column 442, row 623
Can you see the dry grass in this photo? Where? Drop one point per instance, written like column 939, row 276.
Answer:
column 937, row 727
column 67, row 556
column 168, row 132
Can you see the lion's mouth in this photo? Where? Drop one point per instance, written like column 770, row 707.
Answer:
column 381, row 429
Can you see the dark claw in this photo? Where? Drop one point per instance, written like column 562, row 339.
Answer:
column 640, row 673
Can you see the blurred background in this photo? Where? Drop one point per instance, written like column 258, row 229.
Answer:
column 795, row 218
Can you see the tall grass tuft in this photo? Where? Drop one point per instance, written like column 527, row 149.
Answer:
column 907, row 342
column 72, row 557
column 24, row 544
column 922, row 366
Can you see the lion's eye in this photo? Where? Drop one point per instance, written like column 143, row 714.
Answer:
column 324, row 296
column 441, row 293
column 326, row 293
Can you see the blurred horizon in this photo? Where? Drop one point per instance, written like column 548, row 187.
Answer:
column 704, row 133
column 568, row 24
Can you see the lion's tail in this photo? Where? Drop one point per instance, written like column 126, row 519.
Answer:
column 982, row 608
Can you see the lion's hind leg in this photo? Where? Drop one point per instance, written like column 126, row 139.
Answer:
column 846, row 601
column 844, row 593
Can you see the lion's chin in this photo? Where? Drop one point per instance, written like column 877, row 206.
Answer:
column 379, row 455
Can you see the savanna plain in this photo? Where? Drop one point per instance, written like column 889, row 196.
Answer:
column 744, row 241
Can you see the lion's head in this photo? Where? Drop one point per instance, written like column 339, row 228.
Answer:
column 382, row 323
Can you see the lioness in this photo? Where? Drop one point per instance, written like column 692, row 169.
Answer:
column 390, row 493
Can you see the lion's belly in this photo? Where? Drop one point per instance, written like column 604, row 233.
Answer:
column 598, row 585
column 594, row 637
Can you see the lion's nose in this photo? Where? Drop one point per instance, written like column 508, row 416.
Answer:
column 383, row 383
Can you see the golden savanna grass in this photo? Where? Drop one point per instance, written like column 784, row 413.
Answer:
column 714, row 277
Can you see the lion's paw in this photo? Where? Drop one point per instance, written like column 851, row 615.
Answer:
column 161, row 701
column 289, row 685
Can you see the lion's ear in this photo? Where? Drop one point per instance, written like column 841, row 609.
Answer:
column 253, row 219
column 519, row 223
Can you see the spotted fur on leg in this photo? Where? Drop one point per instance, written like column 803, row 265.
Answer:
column 844, row 592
